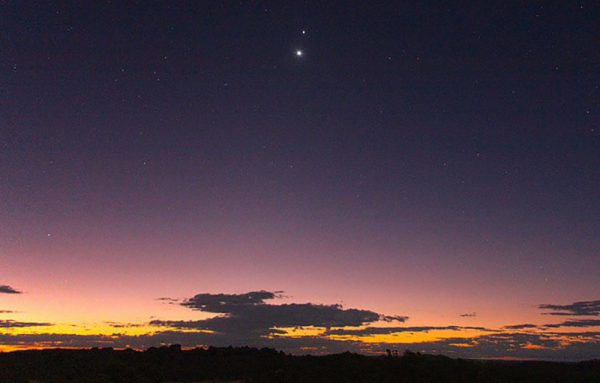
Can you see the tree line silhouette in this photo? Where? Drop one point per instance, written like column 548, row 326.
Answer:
column 245, row 364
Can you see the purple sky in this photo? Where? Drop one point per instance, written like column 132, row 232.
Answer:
column 438, row 165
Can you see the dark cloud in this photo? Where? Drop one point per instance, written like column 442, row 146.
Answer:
column 394, row 318
column 6, row 311
column 392, row 330
column 469, row 315
column 569, row 323
column 9, row 323
column 521, row 326
column 575, row 323
column 228, row 303
column 248, row 314
column 5, row 289
column 583, row 308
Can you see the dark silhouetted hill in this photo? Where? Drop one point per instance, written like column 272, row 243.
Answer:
column 171, row 364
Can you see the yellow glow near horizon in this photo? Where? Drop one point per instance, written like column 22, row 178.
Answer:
column 115, row 330
column 397, row 337
column 101, row 329
column 411, row 336
column 299, row 332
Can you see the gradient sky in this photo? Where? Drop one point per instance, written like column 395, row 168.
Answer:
column 421, row 176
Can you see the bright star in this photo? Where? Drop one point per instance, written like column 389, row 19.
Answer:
column 298, row 53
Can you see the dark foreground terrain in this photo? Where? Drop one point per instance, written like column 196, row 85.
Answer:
column 171, row 364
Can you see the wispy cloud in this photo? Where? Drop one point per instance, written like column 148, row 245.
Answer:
column 123, row 325
column 582, row 308
column 521, row 326
column 395, row 330
column 170, row 301
column 570, row 323
column 575, row 323
column 9, row 323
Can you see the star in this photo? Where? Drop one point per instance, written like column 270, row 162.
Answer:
column 299, row 52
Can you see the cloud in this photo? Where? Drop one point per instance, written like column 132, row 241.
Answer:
column 228, row 303
column 5, row 289
column 394, row 318
column 575, row 323
column 123, row 325
column 9, row 323
column 251, row 319
column 6, row 311
column 521, row 326
column 583, row 308
column 170, row 301
column 255, row 319
column 569, row 323
column 469, row 315
column 249, row 314
column 393, row 330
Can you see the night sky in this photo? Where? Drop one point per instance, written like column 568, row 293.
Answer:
column 311, row 176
